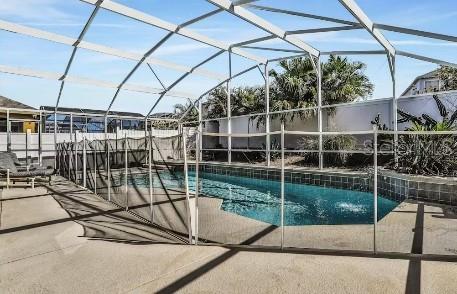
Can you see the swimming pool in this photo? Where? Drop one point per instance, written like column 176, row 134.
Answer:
column 303, row 204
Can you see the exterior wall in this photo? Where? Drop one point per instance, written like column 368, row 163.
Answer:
column 423, row 86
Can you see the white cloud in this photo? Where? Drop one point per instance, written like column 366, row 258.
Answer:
column 34, row 10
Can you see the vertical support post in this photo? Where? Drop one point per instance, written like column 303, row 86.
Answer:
column 151, row 183
column 199, row 154
column 375, row 184
column 282, row 184
column 197, row 184
column 27, row 147
column 58, row 152
column 126, row 173
column 180, row 136
column 394, row 107
column 186, row 183
column 8, row 131
column 76, row 158
column 105, row 122
column 108, row 169
column 40, row 140
column 70, row 158
column 71, row 127
column 55, row 139
column 267, row 106
column 94, row 151
column 319, row 113
column 84, row 163
column 7, row 178
column 69, row 166
column 229, row 111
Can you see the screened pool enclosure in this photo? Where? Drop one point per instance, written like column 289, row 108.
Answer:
column 301, row 177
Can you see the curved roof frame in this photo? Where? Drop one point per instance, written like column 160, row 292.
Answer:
column 237, row 9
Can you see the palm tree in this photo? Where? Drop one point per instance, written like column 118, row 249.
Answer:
column 296, row 86
column 180, row 109
column 217, row 103
column 344, row 81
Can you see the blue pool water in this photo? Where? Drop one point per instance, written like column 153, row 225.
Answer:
column 304, row 204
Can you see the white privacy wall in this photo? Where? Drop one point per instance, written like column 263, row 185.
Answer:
column 353, row 117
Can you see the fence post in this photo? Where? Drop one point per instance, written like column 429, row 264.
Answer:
column 282, row 185
column 126, row 173
column 27, row 142
column 76, row 158
column 197, row 183
column 186, row 183
column 55, row 138
column 267, row 120
column 375, row 184
column 319, row 113
column 151, row 184
column 8, row 131
column 108, row 168
column 95, row 169
column 40, row 140
column 84, row 163
column 70, row 148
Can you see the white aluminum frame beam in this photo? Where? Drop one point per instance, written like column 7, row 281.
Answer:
column 170, row 27
column 87, row 81
column 60, row 39
column 216, row 86
column 302, row 14
column 427, row 59
column 298, row 32
column 75, row 48
column 263, row 24
column 365, row 21
column 181, row 78
column 416, row 32
column 384, row 27
column 157, row 46
column 135, row 68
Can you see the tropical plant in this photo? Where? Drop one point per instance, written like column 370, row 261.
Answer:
column 428, row 154
column 448, row 77
column 216, row 106
column 334, row 143
column 243, row 100
column 296, row 85
column 181, row 109
column 344, row 81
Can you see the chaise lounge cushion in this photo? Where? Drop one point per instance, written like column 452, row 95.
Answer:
column 7, row 163
column 33, row 173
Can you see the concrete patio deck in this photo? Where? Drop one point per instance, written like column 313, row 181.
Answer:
column 93, row 246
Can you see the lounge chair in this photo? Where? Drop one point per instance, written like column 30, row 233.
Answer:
column 14, row 173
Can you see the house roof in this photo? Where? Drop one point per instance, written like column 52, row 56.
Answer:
column 429, row 75
column 86, row 111
column 10, row 103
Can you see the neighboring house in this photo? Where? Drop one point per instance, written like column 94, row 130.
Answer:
column 426, row 83
column 21, row 119
column 90, row 120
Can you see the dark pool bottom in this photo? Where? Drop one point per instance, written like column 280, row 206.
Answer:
column 304, row 204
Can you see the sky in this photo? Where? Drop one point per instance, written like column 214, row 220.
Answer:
column 112, row 30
